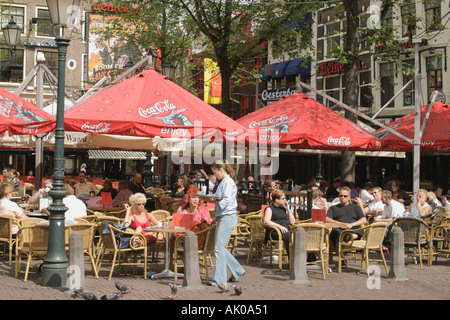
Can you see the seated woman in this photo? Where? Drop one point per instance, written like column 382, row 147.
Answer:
column 421, row 208
column 180, row 189
column 278, row 215
column 9, row 208
column 193, row 205
column 108, row 187
column 318, row 202
column 138, row 218
column 398, row 194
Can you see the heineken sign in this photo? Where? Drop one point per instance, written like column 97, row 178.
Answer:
column 277, row 94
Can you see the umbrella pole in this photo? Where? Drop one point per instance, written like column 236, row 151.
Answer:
column 416, row 142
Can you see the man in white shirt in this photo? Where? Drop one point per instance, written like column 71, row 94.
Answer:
column 393, row 209
column 75, row 207
column 376, row 207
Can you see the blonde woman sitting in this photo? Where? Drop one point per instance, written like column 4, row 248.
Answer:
column 138, row 218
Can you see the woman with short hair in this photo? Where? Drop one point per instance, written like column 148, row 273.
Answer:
column 277, row 214
column 138, row 218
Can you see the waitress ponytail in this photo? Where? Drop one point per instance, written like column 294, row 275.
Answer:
column 225, row 165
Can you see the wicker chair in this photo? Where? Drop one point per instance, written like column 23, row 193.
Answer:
column 316, row 242
column 136, row 256
column 416, row 236
column 372, row 239
column 161, row 215
column 274, row 245
column 157, row 192
column 257, row 235
column 118, row 214
column 253, row 204
column 205, row 254
column 87, row 231
column 6, row 234
column 29, row 221
column 32, row 243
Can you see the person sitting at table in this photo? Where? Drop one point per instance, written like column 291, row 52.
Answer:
column 193, row 205
column 366, row 192
column 420, row 208
column 318, row 202
column 398, row 194
column 9, row 208
column 42, row 193
column 179, row 189
column 124, row 193
column 75, row 207
column 277, row 214
column 350, row 214
column 393, row 209
column 376, row 207
column 83, row 188
column 108, row 187
column 137, row 186
column 138, row 218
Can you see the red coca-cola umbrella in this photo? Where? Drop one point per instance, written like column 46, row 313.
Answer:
column 303, row 123
column 18, row 116
column 436, row 130
column 147, row 105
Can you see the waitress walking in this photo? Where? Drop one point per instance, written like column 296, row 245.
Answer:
column 225, row 216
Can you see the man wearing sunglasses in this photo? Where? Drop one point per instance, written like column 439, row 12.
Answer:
column 345, row 212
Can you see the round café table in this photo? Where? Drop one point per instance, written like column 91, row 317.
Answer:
column 166, row 273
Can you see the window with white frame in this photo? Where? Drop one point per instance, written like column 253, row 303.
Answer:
column 434, row 75
column 408, row 13
column 11, row 66
column 44, row 27
column 433, row 14
column 409, row 92
column 387, row 83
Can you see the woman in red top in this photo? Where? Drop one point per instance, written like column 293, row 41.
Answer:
column 138, row 218
column 193, row 205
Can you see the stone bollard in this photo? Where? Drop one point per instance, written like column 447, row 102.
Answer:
column 298, row 267
column 397, row 271
column 191, row 279
column 75, row 271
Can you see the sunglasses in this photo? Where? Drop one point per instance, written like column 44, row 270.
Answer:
column 140, row 204
column 343, row 196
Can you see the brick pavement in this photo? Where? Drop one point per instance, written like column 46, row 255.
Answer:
column 259, row 283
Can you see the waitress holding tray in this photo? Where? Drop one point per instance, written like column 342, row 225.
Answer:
column 225, row 217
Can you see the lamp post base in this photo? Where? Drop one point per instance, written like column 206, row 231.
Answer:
column 54, row 275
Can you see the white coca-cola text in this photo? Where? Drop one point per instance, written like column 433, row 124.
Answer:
column 342, row 141
column 159, row 108
column 268, row 122
column 101, row 127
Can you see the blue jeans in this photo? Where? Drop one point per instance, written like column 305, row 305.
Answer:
column 224, row 258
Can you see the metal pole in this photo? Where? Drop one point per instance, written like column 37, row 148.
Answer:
column 416, row 140
column 54, row 269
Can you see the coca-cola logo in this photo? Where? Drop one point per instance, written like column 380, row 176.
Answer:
column 97, row 128
column 31, row 129
column 159, row 108
column 342, row 141
column 278, row 119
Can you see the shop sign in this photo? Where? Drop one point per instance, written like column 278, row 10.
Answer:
column 277, row 94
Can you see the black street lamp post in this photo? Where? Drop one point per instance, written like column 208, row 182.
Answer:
column 64, row 14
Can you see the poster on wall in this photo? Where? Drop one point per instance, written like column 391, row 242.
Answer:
column 212, row 82
column 107, row 53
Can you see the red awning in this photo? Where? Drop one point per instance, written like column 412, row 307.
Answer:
column 147, row 105
column 436, row 133
column 303, row 123
column 19, row 116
